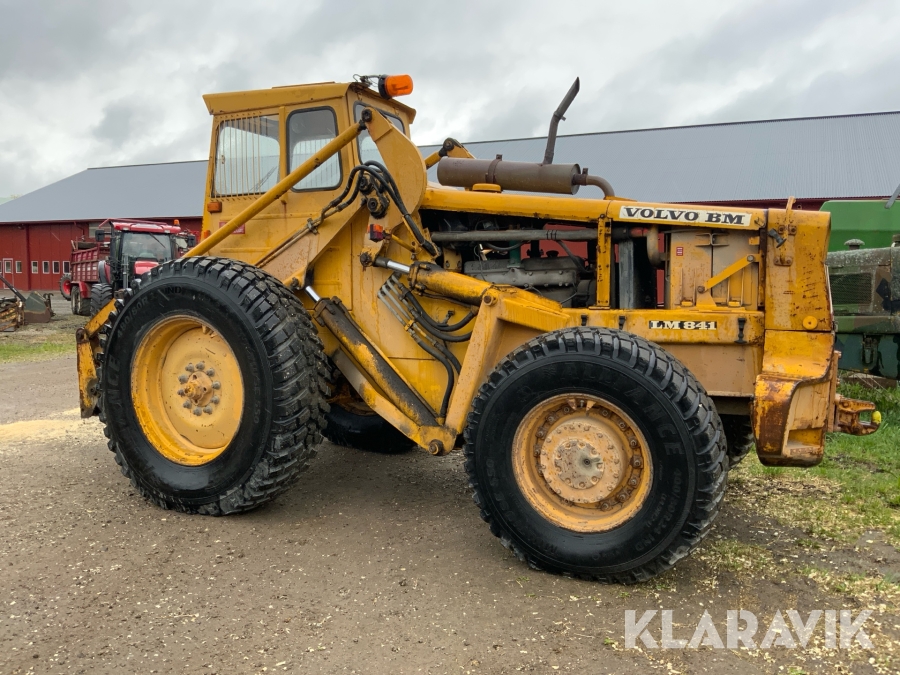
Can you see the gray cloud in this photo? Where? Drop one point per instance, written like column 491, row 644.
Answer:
column 102, row 82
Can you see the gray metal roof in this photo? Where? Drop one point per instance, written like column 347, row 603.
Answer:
column 843, row 156
column 814, row 157
column 142, row 191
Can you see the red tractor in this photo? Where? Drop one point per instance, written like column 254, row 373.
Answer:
column 123, row 250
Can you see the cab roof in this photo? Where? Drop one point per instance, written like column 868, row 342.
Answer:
column 256, row 99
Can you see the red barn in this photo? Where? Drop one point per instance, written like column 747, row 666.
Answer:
column 37, row 229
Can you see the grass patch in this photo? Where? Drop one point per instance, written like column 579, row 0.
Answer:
column 34, row 352
column 736, row 556
column 41, row 341
column 868, row 588
column 854, row 489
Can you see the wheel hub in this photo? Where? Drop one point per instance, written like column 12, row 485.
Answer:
column 577, row 469
column 188, row 390
column 582, row 462
column 199, row 390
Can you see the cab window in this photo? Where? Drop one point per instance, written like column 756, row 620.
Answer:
column 247, row 152
column 308, row 131
column 368, row 151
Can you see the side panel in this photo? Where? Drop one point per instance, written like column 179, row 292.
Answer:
column 797, row 295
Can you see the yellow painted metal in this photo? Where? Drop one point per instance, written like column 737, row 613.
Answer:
column 793, row 397
column 297, row 96
column 87, row 346
column 796, row 280
column 733, row 268
column 187, row 390
column 432, row 159
column 88, row 386
column 553, row 209
column 423, row 435
column 455, row 151
column 582, row 463
column 604, row 263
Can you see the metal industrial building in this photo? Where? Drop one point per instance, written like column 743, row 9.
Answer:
column 759, row 164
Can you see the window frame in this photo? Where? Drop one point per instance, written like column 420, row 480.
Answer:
column 18, row 267
column 7, row 263
column 287, row 150
column 45, row 267
column 215, row 153
column 56, row 267
column 67, row 268
column 34, row 267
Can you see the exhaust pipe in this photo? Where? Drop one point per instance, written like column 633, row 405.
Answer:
column 563, row 179
column 557, row 117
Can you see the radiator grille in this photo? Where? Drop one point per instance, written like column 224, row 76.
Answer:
column 852, row 289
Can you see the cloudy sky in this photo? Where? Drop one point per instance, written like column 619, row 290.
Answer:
column 88, row 83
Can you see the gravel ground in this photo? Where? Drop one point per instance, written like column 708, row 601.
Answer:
column 370, row 564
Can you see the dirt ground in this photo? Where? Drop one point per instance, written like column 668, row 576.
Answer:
column 371, row 564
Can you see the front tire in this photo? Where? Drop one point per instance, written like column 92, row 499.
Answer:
column 212, row 383
column 596, row 453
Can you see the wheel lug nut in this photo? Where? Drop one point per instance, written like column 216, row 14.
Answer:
column 181, row 392
column 633, row 443
column 186, row 404
column 200, row 365
column 633, row 482
column 621, row 425
column 217, row 384
column 215, row 399
column 208, row 410
column 605, row 506
column 210, row 372
column 189, row 367
column 198, row 411
column 182, row 378
column 636, row 463
column 622, row 496
column 540, row 432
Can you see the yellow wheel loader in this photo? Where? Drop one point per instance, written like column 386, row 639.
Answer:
column 600, row 361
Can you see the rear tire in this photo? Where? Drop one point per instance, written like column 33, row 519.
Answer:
column 739, row 438
column 267, row 386
column 670, row 454
column 353, row 424
column 80, row 306
column 101, row 294
column 368, row 432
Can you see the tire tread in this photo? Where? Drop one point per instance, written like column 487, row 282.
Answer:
column 299, row 410
column 678, row 385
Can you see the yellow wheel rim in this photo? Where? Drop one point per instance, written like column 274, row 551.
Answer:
column 187, row 390
column 582, row 463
